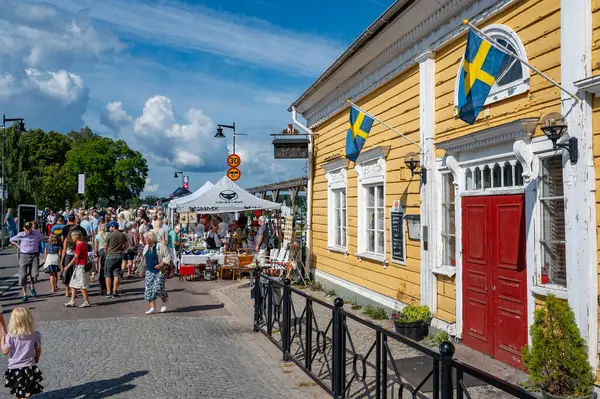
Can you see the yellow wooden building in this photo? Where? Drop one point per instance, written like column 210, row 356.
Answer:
column 500, row 218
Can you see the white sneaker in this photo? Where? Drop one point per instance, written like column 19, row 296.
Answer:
column 150, row 311
column 163, row 309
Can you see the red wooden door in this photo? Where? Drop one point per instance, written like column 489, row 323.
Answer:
column 494, row 276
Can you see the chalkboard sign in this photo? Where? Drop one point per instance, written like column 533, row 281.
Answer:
column 397, row 236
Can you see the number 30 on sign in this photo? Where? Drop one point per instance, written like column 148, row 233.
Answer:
column 234, row 161
column 234, row 174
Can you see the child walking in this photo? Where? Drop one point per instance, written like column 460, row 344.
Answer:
column 51, row 265
column 23, row 345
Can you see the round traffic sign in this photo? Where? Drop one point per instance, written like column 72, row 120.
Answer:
column 234, row 174
column 234, row 161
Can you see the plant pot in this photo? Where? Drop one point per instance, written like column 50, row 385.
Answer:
column 546, row 395
column 415, row 330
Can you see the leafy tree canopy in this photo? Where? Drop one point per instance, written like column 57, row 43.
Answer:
column 41, row 168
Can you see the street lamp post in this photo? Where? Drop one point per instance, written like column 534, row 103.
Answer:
column 21, row 126
column 177, row 173
column 220, row 134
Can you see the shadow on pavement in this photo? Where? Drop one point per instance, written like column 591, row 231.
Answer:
column 96, row 389
column 196, row 308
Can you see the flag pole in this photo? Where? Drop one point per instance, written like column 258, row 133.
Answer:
column 506, row 51
column 383, row 123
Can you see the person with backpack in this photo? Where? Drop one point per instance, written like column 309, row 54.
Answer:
column 52, row 261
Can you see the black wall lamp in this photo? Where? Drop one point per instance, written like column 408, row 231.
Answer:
column 554, row 128
column 411, row 160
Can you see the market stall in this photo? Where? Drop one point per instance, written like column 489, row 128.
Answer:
column 225, row 197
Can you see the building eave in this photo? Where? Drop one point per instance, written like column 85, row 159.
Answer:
column 380, row 23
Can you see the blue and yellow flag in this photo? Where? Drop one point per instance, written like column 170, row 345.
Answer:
column 482, row 65
column 359, row 127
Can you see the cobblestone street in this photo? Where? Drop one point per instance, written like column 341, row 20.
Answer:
column 196, row 350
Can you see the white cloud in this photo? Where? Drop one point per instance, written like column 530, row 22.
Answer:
column 197, row 28
column 164, row 140
column 151, row 188
column 38, row 45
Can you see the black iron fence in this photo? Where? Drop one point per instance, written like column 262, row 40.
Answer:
column 350, row 357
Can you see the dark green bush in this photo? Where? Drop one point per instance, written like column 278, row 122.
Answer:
column 558, row 357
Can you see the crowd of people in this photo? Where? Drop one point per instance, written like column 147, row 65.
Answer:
column 82, row 245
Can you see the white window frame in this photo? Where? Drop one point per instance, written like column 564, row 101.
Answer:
column 371, row 170
column 336, row 173
column 520, row 86
column 443, row 175
column 554, row 288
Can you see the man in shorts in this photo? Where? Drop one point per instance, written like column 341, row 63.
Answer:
column 28, row 242
column 114, row 248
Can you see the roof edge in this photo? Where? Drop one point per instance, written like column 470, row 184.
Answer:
column 373, row 30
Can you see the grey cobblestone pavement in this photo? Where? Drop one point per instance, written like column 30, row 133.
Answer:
column 203, row 347
column 157, row 357
column 363, row 338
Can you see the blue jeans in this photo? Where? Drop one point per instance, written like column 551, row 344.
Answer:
column 12, row 231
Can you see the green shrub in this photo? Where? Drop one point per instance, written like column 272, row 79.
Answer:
column 377, row 313
column 413, row 313
column 558, row 357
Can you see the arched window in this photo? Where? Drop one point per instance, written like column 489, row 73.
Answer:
column 515, row 80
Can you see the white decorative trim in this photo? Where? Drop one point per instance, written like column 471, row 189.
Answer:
column 373, row 154
column 370, row 168
column 515, row 88
column 372, row 256
column 336, row 164
column 523, row 152
column 452, row 165
column 589, row 85
column 510, row 131
column 545, row 291
column 448, row 271
column 443, row 26
column 579, row 178
column 336, row 173
column 428, row 207
column 426, row 56
column 339, row 250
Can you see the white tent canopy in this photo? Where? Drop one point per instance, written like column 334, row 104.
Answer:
column 188, row 199
column 225, row 197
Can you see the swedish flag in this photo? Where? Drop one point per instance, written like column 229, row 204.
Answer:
column 482, row 64
column 359, row 127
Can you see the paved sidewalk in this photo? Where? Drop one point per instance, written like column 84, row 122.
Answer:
column 364, row 337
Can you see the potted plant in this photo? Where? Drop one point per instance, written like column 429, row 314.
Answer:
column 413, row 321
column 557, row 359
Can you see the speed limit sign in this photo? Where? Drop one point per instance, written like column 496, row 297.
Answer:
column 234, row 161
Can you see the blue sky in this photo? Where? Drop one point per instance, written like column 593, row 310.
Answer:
column 162, row 73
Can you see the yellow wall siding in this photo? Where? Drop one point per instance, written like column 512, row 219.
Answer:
column 537, row 23
column 397, row 103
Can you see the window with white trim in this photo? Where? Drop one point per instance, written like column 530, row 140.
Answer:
column 375, row 219
column 335, row 173
column 514, row 79
column 339, row 217
column 370, row 169
column 448, row 230
column 552, row 217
